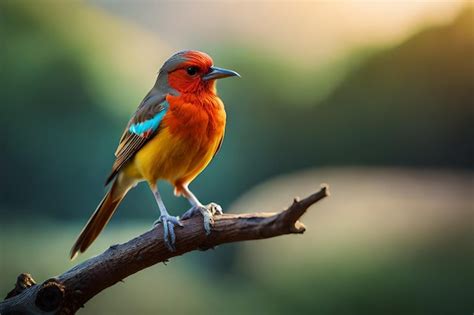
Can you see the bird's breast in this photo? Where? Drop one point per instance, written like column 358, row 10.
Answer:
column 196, row 120
column 185, row 143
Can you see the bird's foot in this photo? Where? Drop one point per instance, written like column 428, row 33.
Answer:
column 207, row 212
column 169, row 237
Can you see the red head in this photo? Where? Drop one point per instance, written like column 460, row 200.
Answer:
column 192, row 71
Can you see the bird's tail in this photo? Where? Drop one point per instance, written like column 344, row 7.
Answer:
column 99, row 218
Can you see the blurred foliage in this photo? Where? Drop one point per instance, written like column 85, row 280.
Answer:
column 52, row 122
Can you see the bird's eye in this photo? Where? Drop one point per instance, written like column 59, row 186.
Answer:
column 192, row 70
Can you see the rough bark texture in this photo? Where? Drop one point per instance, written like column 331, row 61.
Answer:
column 66, row 293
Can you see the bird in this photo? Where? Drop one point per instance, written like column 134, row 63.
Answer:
column 174, row 133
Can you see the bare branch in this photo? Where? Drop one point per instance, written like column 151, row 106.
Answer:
column 68, row 292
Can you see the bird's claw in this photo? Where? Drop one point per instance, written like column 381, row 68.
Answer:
column 207, row 212
column 215, row 208
column 169, row 237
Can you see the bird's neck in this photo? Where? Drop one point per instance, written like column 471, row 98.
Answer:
column 204, row 99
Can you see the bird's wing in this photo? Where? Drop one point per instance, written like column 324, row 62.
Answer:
column 218, row 146
column 142, row 127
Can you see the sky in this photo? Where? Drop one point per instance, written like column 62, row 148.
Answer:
column 308, row 31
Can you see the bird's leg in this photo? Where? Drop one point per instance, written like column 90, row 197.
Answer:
column 167, row 220
column 207, row 211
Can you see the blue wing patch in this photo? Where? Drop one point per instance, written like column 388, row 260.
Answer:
column 149, row 126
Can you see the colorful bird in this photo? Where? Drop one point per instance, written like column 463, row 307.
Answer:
column 175, row 132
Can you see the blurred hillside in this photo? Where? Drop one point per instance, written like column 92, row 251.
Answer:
column 73, row 74
column 409, row 105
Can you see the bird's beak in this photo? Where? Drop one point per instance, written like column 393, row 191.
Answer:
column 219, row 73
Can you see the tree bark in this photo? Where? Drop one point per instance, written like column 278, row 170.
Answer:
column 66, row 293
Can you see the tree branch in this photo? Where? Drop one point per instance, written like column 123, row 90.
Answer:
column 68, row 292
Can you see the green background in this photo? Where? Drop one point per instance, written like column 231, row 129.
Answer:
column 388, row 126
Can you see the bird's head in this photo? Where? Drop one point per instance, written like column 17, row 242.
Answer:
column 191, row 71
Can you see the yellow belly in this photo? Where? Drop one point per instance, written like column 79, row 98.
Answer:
column 171, row 158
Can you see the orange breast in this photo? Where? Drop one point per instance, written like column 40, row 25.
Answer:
column 188, row 139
